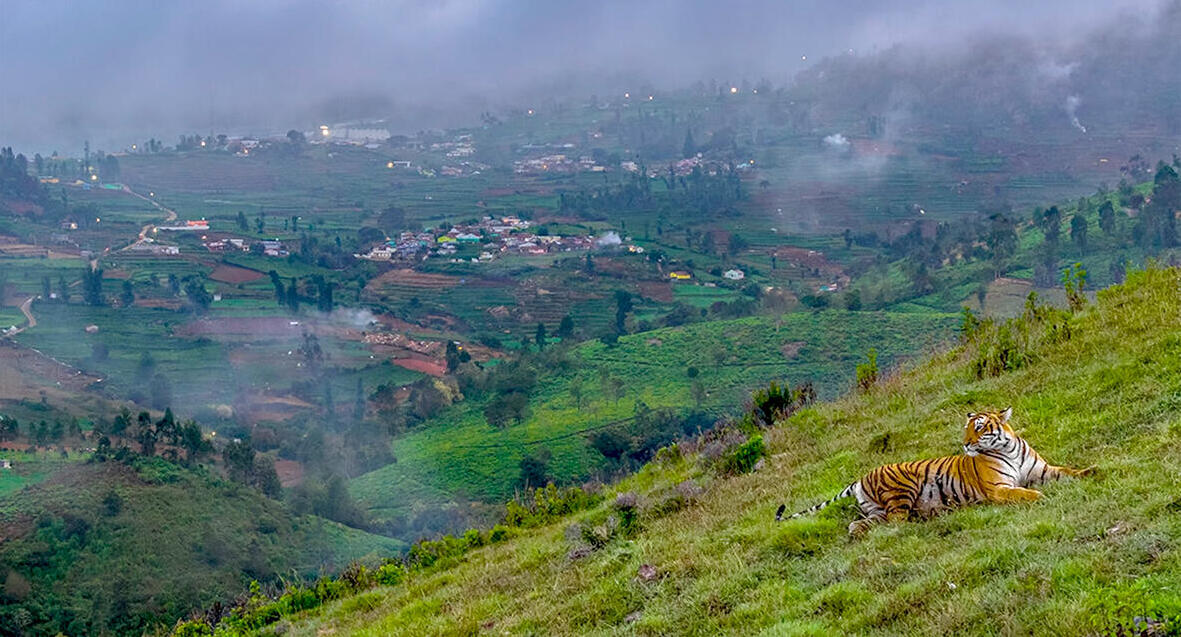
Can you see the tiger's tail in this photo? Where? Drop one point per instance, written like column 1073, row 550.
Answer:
column 848, row 491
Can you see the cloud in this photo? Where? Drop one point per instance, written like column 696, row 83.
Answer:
column 122, row 70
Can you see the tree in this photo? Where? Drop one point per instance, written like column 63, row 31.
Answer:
column 167, row 427
column 1107, row 218
column 197, row 297
column 697, row 391
column 623, row 305
column 63, row 290
column 1002, row 241
column 127, row 296
column 867, row 372
column 238, row 457
column 296, row 138
column 688, row 149
column 534, row 470
column 145, row 434
column 853, row 300
column 539, row 337
column 359, row 402
column 565, row 328
column 611, row 444
column 193, row 442
column 92, row 286
column 280, row 291
column 1078, row 231
column 243, row 225
column 1050, row 223
column 292, row 296
column 266, row 478
column 160, row 390
column 324, row 294
column 575, row 389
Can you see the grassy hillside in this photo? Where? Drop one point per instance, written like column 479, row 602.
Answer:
column 95, row 547
column 460, row 453
column 1093, row 553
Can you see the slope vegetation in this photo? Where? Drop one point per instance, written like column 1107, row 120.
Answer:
column 1099, row 387
column 95, row 548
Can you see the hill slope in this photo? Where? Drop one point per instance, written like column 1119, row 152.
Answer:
column 1092, row 553
column 462, row 453
column 100, row 547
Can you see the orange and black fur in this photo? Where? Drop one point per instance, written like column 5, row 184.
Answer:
column 997, row 466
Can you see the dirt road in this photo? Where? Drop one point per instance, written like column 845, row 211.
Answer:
column 30, row 320
column 170, row 216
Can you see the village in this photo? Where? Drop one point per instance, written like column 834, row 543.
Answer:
column 494, row 236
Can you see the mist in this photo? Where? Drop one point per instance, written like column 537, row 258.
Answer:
column 115, row 73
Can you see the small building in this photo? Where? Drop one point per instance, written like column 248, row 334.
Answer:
column 680, row 275
column 5, row 463
column 734, row 275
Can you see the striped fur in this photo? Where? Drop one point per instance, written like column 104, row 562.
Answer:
column 997, row 466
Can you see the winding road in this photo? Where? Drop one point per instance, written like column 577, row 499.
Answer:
column 143, row 233
column 30, row 320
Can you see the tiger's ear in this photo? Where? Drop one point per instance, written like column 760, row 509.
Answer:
column 1006, row 414
column 971, row 415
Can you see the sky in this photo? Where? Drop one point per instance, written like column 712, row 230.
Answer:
column 119, row 72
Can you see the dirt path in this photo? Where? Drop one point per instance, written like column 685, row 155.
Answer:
column 30, row 320
column 170, row 216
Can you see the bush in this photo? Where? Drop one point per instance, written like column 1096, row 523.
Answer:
column 544, row 505
column 499, row 533
column 627, row 506
column 867, row 372
column 743, row 458
column 1017, row 342
column 390, row 574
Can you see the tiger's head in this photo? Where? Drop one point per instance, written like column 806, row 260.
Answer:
column 988, row 430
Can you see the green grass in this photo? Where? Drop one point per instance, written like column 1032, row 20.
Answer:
column 1092, row 553
column 29, row 469
column 458, row 453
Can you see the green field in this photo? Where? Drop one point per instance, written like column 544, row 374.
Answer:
column 459, row 453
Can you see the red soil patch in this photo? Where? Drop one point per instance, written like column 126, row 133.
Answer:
column 792, row 349
column 807, row 258
column 290, row 472
column 25, row 371
column 411, row 278
column 116, row 274
column 233, row 274
column 434, row 368
column 657, row 290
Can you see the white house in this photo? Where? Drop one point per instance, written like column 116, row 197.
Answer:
column 734, row 275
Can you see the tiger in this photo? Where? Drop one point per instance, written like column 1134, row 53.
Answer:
column 997, row 466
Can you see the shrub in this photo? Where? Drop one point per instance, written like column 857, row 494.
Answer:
column 1017, row 342
column 744, row 457
column 499, row 533
column 543, row 505
column 679, row 497
column 390, row 574
column 627, row 506
column 867, row 372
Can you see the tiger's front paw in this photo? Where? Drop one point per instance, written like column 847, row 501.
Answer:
column 1089, row 471
column 858, row 528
